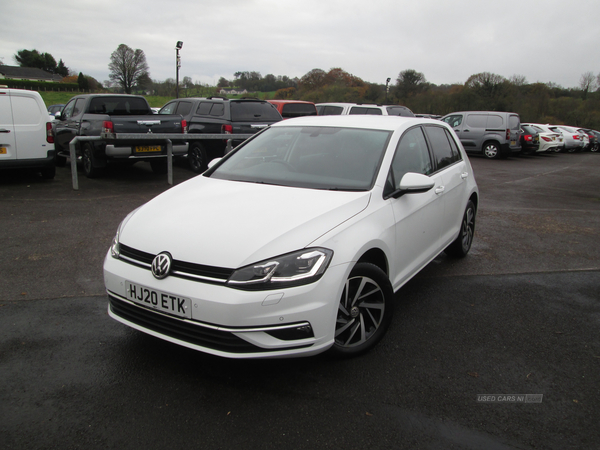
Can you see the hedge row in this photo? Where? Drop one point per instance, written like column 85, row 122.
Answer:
column 39, row 85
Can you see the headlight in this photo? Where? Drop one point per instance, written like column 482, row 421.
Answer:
column 293, row 269
column 114, row 247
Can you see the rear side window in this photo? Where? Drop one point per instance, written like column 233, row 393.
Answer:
column 204, row 108
column 442, row 149
column 477, row 120
column 363, row 110
column 253, row 112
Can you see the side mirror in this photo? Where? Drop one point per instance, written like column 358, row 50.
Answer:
column 413, row 183
column 58, row 115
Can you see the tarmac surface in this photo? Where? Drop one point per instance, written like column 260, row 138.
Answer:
column 520, row 315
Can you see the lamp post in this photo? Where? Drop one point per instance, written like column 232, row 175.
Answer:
column 177, row 66
column 387, row 88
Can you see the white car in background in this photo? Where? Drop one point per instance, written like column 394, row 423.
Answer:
column 295, row 242
column 573, row 138
column 550, row 141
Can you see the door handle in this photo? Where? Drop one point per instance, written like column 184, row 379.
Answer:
column 464, row 175
column 4, row 130
column 440, row 190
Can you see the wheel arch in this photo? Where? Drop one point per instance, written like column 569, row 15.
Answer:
column 377, row 257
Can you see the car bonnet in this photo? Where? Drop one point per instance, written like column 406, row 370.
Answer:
column 231, row 224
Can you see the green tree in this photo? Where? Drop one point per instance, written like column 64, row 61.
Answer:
column 410, row 83
column 82, row 82
column 128, row 67
column 44, row 61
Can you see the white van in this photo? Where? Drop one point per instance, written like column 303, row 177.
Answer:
column 26, row 139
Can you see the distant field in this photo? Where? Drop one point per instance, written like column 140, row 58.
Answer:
column 57, row 98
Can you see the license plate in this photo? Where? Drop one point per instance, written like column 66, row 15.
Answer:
column 513, row 142
column 3, row 151
column 147, row 148
column 160, row 301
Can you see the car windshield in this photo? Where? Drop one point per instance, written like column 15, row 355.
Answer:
column 309, row 157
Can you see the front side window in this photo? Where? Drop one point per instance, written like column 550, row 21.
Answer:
column 169, row 108
column 68, row 111
column 184, row 108
column 454, row 121
column 412, row 155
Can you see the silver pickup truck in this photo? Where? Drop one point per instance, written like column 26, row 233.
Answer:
column 94, row 114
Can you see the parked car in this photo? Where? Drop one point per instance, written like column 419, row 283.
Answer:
column 92, row 115
column 550, row 141
column 336, row 109
column 530, row 139
column 573, row 139
column 53, row 109
column 294, row 108
column 26, row 139
column 295, row 242
column 594, row 139
column 218, row 115
column 495, row 134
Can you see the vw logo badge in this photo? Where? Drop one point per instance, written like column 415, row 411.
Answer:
column 161, row 265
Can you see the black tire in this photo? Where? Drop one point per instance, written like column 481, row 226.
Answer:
column 594, row 147
column 491, row 150
column 59, row 161
column 89, row 162
column 159, row 166
column 48, row 173
column 462, row 244
column 197, row 157
column 365, row 311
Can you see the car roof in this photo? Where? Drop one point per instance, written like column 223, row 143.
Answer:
column 390, row 123
column 283, row 102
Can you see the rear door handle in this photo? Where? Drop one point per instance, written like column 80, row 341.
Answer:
column 464, row 175
column 4, row 130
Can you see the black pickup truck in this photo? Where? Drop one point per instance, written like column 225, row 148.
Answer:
column 93, row 114
column 218, row 115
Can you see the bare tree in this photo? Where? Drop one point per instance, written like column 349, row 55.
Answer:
column 588, row 83
column 128, row 67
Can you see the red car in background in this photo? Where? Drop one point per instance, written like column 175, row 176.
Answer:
column 294, row 108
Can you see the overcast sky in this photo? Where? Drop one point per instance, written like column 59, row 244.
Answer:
column 448, row 41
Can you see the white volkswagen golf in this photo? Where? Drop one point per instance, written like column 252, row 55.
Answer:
column 296, row 241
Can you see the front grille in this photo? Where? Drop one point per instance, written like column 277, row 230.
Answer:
column 199, row 334
column 178, row 329
column 181, row 269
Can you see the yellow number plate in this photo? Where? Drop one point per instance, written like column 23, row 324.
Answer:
column 147, row 148
column 3, row 151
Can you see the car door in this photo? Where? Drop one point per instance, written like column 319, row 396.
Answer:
column 66, row 128
column 8, row 150
column 418, row 216
column 29, row 119
column 453, row 170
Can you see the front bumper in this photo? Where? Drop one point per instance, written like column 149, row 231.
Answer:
column 298, row 321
